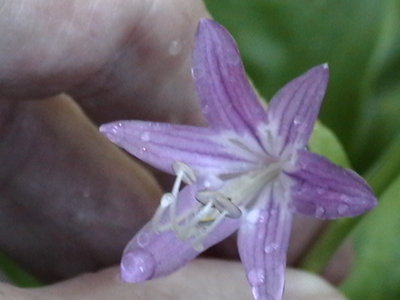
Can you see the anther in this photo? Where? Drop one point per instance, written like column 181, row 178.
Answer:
column 220, row 202
column 186, row 172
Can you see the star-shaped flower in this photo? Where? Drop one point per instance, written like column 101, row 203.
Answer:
column 248, row 170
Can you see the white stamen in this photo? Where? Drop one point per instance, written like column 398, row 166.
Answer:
column 188, row 175
column 198, row 242
column 183, row 173
column 216, row 207
column 245, row 187
column 221, row 203
column 166, row 200
column 195, row 224
column 189, row 229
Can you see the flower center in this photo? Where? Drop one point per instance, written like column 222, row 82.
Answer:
column 238, row 193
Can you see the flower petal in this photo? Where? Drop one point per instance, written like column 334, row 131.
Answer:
column 293, row 111
column 149, row 254
column 327, row 191
column 227, row 98
column 263, row 241
column 162, row 144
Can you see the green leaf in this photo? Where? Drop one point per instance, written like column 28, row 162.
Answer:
column 378, row 115
column 16, row 274
column 376, row 274
column 323, row 141
column 384, row 125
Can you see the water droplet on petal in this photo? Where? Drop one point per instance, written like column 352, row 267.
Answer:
column 137, row 266
column 269, row 248
column 256, row 276
column 297, row 121
column 113, row 132
column 175, row 48
column 143, row 149
column 273, row 211
column 145, row 136
column 143, row 239
column 255, row 292
column 319, row 212
column 197, row 73
column 207, row 184
column 342, row 208
column 232, row 57
column 198, row 246
column 252, row 216
column 262, row 218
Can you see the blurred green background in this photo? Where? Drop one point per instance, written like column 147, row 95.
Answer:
column 360, row 39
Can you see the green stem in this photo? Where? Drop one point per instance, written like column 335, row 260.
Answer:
column 16, row 274
column 379, row 176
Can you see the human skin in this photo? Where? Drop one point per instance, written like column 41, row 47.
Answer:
column 69, row 200
column 202, row 279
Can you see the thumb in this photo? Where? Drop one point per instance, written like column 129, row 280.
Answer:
column 202, row 279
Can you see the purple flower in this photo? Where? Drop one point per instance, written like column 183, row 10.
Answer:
column 248, row 170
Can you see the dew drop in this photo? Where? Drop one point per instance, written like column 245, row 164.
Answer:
column 137, row 265
column 143, row 239
column 319, row 212
column 262, row 218
column 113, row 132
column 198, row 246
column 252, row 216
column 297, row 121
column 197, row 73
column 175, row 48
column 143, row 149
column 145, row 136
column 206, row 109
column 342, row 209
column 232, row 57
column 273, row 211
column 270, row 248
column 255, row 292
column 256, row 276
column 117, row 127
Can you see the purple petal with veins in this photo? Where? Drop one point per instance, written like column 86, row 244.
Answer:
column 161, row 144
column 226, row 96
column 327, row 191
column 263, row 241
column 153, row 254
column 294, row 109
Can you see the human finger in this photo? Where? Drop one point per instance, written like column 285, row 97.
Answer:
column 69, row 200
column 202, row 279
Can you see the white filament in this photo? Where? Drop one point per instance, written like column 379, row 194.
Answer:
column 196, row 223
